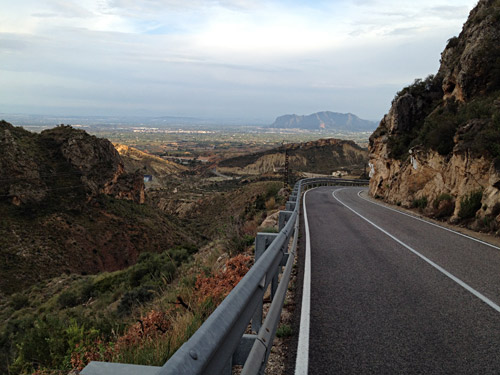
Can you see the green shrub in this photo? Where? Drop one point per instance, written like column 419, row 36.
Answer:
column 417, row 88
column 86, row 290
column 444, row 206
column 182, row 254
column 237, row 244
column 272, row 190
column 44, row 345
column 134, row 298
column 284, row 330
column 154, row 267
column 419, row 203
column 487, row 223
column 108, row 282
column 470, row 204
column 440, row 134
column 18, row 301
column 399, row 145
column 68, row 298
column 440, row 198
column 260, row 202
column 248, row 240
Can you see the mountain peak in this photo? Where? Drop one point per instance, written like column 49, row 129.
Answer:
column 325, row 120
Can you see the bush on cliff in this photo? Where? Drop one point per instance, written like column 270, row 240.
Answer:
column 470, row 204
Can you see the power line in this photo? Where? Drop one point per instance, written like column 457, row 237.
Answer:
column 42, row 176
column 49, row 189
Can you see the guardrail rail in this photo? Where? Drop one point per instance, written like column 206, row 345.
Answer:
column 221, row 341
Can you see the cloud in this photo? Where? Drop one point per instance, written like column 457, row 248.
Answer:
column 68, row 8
column 219, row 58
column 450, row 12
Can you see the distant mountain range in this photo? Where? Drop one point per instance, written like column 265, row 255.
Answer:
column 325, row 121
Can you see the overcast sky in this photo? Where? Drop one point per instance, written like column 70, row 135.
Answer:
column 228, row 59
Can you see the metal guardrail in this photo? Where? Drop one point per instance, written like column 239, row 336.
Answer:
column 221, row 341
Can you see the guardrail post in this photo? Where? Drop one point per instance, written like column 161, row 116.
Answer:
column 290, row 206
column 219, row 343
column 241, row 354
column 283, row 218
column 262, row 241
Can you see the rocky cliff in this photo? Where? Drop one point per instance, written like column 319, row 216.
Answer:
column 68, row 206
column 323, row 156
column 438, row 147
column 135, row 159
column 33, row 167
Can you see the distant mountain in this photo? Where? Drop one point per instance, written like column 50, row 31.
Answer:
column 325, row 120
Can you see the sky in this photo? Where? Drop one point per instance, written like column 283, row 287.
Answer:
column 247, row 60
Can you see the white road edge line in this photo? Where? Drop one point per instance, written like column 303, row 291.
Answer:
column 436, row 266
column 302, row 359
column 429, row 222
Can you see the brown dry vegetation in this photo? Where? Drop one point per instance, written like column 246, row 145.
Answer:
column 98, row 317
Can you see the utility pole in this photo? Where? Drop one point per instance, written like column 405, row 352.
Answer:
column 285, row 171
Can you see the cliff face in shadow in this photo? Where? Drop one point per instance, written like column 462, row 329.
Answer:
column 67, row 205
column 437, row 148
column 33, row 166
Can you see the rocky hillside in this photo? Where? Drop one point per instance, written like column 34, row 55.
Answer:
column 438, row 147
column 325, row 121
column 136, row 160
column 67, row 205
column 35, row 167
column 323, row 156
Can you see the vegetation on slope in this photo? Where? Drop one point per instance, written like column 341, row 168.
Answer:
column 321, row 156
column 476, row 124
column 143, row 313
column 37, row 243
column 66, row 322
column 157, row 287
column 462, row 99
column 438, row 148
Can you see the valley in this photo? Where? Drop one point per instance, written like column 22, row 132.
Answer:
column 144, row 145
column 87, row 239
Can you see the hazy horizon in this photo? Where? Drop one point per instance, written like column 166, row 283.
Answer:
column 168, row 119
column 232, row 59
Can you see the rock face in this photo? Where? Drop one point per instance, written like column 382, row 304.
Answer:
column 135, row 159
column 68, row 206
column 324, row 120
column 32, row 166
column 323, row 156
column 440, row 139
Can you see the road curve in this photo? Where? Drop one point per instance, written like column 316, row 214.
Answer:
column 391, row 294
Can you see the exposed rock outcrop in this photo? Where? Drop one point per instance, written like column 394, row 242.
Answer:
column 33, row 166
column 67, row 205
column 323, row 156
column 440, row 137
column 135, row 159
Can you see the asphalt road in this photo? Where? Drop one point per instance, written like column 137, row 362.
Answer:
column 413, row 303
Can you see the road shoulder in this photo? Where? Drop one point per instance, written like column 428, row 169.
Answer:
column 486, row 237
